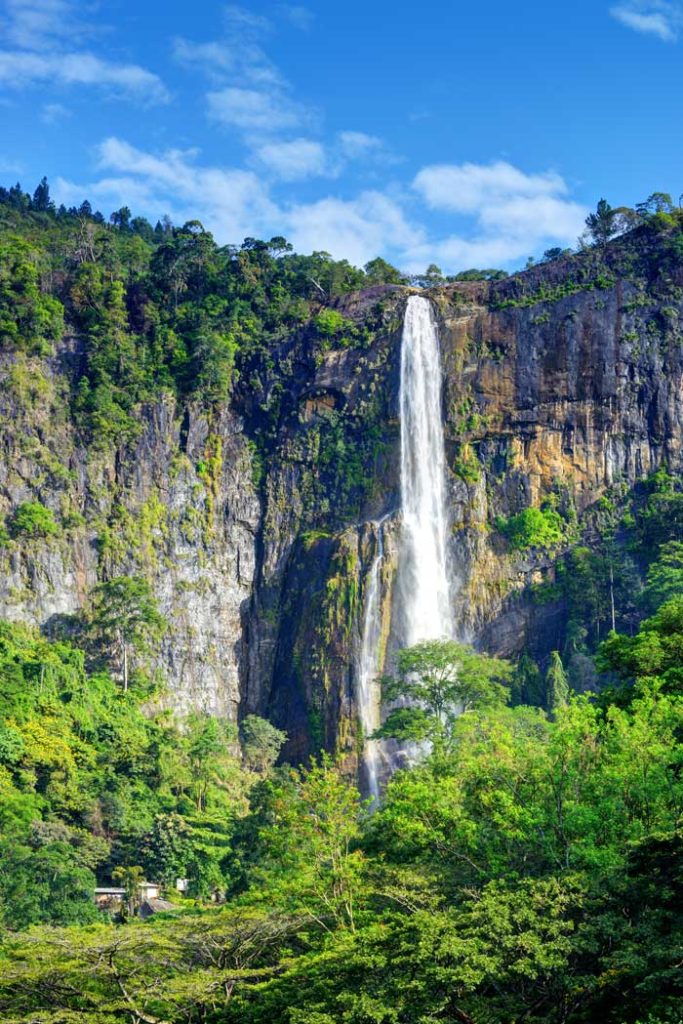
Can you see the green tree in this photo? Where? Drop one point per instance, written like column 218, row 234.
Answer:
column 124, row 620
column 658, row 202
column 439, row 679
column 121, row 218
column 261, row 743
column 129, row 878
column 600, row 224
column 534, row 528
column 210, row 744
column 310, row 861
column 378, row 271
column 654, row 653
column 46, row 884
column 31, row 319
column 41, row 197
column 557, row 684
column 664, row 576
column 527, row 682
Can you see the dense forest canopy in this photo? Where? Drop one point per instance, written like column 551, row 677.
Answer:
column 528, row 868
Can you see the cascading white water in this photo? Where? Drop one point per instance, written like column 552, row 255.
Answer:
column 423, row 602
column 368, row 669
column 424, row 594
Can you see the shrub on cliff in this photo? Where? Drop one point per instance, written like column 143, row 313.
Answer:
column 33, row 519
column 533, row 528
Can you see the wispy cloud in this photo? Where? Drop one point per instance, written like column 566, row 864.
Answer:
column 295, row 159
column 358, row 144
column 41, row 40
column 246, row 21
column 53, row 113
column 299, row 16
column 254, row 110
column 261, row 103
column 21, row 69
column 43, row 24
column 212, row 58
column 660, row 19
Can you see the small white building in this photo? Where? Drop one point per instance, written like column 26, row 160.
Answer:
column 149, row 890
column 107, row 897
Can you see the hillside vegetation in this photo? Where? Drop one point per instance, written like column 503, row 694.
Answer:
column 528, row 869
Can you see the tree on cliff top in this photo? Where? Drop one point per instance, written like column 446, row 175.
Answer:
column 601, row 224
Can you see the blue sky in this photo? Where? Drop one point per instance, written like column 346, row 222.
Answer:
column 461, row 134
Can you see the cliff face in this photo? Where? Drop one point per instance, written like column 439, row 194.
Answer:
column 566, row 380
column 178, row 507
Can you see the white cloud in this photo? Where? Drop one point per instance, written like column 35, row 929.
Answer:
column 357, row 144
column 657, row 19
column 466, row 188
column 250, row 93
column 356, row 229
column 19, row 69
column 299, row 158
column 208, row 57
column 253, row 110
column 52, row 113
column 42, row 24
column 40, row 38
column 11, row 166
column 232, row 202
column 294, row 160
column 535, row 217
column 229, row 60
column 514, row 214
column 245, row 21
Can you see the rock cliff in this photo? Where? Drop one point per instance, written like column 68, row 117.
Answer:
column 563, row 382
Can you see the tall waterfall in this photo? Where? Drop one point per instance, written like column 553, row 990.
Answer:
column 423, row 600
column 424, row 595
column 369, row 667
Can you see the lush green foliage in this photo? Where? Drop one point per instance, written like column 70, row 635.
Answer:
column 30, row 319
column 90, row 783
column 534, row 528
column 159, row 308
column 532, row 872
column 528, row 868
column 32, row 519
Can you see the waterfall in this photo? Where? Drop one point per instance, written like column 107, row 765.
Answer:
column 369, row 667
column 423, row 590
column 423, row 600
